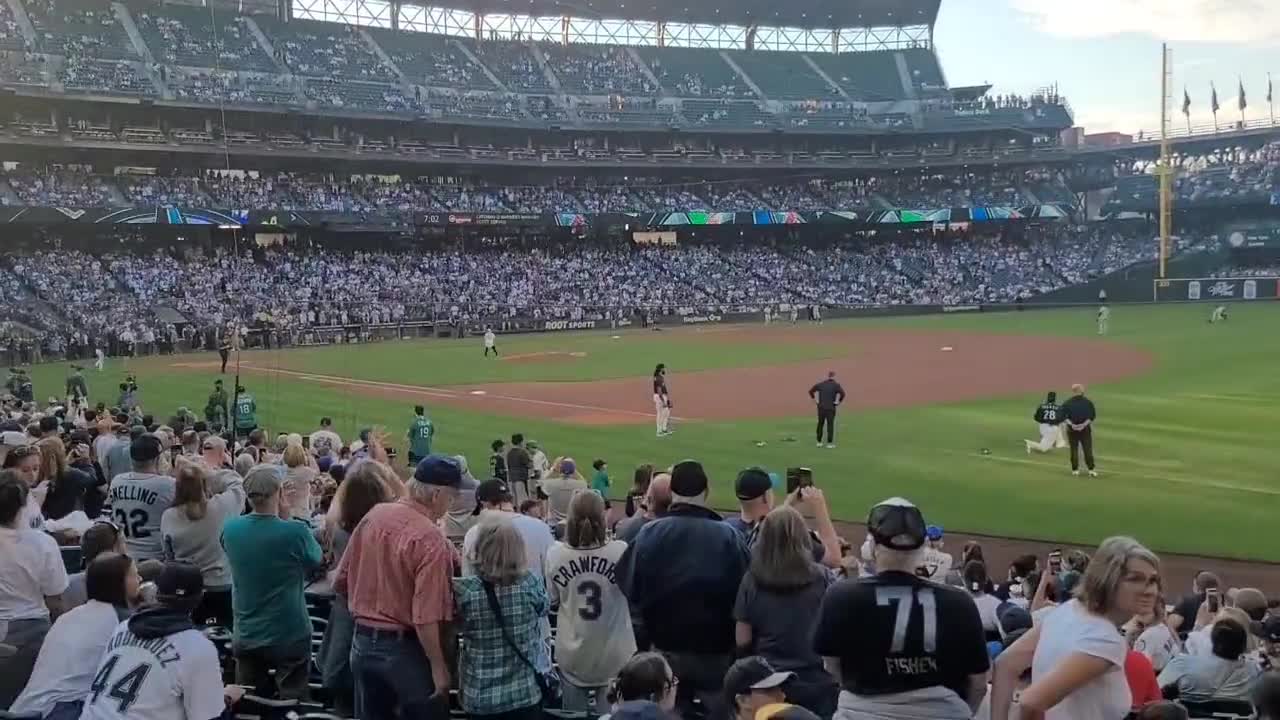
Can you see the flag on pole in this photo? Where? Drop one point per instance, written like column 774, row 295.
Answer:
column 1214, row 102
column 1186, row 102
column 1243, row 102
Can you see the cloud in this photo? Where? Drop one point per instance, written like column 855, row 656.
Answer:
column 1201, row 21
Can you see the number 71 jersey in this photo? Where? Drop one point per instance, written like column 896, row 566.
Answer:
column 147, row 675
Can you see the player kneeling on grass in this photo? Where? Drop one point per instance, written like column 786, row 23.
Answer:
column 1219, row 315
column 1048, row 417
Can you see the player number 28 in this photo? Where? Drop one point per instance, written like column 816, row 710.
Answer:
column 905, row 598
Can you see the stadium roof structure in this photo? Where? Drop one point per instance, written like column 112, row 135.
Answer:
column 832, row 14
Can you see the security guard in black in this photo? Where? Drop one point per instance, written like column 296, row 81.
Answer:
column 1079, row 413
column 827, row 394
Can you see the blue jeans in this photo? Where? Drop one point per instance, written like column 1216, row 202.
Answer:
column 393, row 677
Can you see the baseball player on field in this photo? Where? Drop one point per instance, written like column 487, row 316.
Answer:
column 1219, row 315
column 1104, row 319
column 1048, row 417
column 662, row 400
column 490, row 342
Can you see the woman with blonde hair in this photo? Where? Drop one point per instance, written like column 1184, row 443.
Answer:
column 594, row 637
column 191, row 532
column 66, row 485
column 298, row 481
column 500, row 609
column 778, row 606
column 1077, row 653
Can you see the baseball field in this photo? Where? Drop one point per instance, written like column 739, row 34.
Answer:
column 1186, row 435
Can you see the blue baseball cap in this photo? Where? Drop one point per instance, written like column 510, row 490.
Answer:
column 442, row 471
column 933, row 532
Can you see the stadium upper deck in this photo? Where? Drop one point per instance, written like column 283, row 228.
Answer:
column 657, row 66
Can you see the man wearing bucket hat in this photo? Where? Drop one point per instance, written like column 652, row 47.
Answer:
column 902, row 646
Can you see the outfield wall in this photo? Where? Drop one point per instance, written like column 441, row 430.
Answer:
column 1215, row 289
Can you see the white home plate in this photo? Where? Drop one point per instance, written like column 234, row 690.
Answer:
column 615, row 337
column 947, row 348
column 477, row 392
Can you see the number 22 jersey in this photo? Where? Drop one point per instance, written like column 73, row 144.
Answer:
column 157, row 667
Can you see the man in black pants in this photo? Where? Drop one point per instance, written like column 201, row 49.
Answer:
column 827, row 395
column 1079, row 415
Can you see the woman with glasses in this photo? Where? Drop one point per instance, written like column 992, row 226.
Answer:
column 32, row 580
column 1077, row 653
column 646, row 676
column 73, row 649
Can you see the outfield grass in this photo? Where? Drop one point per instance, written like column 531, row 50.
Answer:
column 1186, row 451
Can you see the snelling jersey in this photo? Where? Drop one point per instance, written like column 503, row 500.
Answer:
column 895, row 633
column 137, row 502
column 172, row 677
column 594, row 638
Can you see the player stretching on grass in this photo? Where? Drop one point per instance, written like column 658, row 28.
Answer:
column 662, row 400
column 1219, row 315
column 1048, row 416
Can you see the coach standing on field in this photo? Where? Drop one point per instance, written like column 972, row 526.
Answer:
column 1079, row 415
column 827, row 395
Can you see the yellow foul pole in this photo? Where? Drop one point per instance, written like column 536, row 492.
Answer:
column 1164, row 167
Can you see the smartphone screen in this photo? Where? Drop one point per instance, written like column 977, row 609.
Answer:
column 1213, row 599
column 798, row 477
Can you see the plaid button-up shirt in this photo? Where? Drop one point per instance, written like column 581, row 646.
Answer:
column 494, row 678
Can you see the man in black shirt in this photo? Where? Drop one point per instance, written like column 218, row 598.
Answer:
column 827, row 395
column 1079, row 414
column 896, row 640
column 498, row 461
column 518, row 464
column 1048, row 416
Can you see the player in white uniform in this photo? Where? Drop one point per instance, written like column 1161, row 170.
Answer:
column 102, row 359
column 1219, row 314
column 661, row 400
column 490, row 342
column 157, row 665
column 594, row 638
column 138, row 499
column 1104, row 319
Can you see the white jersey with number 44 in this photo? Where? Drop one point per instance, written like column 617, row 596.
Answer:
column 594, row 638
column 171, row 677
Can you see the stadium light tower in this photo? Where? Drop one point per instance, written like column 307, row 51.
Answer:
column 1164, row 168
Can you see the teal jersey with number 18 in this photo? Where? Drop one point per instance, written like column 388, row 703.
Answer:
column 421, row 433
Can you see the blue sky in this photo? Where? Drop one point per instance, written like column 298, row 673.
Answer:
column 1105, row 54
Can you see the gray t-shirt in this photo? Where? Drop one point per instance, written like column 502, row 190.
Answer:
column 137, row 501
column 199, row 542
column 782, row 620
column 560, row 490
column 629, row 528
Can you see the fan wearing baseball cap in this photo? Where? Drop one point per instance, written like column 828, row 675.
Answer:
column 902, row 646
column 752, row 684
column 139, row 498
column 691, row 560
column 158, row 666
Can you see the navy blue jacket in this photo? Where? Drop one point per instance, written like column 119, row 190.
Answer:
column 681, row 577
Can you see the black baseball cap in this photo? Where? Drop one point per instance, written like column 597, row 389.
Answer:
column 145, row 448
column 494, row 492
column 897, row 524
column 688, row 479
column 752, row 483
column 752, row 673
column 179, row 581
column 1271, row 629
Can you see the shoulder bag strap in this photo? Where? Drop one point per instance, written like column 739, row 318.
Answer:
column 502, row 624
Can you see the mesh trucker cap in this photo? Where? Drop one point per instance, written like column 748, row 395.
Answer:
column 897, row 524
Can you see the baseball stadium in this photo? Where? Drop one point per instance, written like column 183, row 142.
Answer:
column 636, row 234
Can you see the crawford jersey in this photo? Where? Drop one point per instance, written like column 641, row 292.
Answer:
column 594, row 638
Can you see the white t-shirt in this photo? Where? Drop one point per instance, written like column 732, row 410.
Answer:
column 69, row 658
column 987, row 606
column 175, row 677
column 937, row 564
column 1159, row 644
column 489, row 338
column 536, row 534
column 31, row 569
column 1072, row 629
column 594, row 638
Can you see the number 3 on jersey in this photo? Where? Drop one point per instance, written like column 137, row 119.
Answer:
column 905, row 599
column 592, row 595
column 124, row 690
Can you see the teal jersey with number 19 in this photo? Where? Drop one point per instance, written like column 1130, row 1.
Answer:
column 421, row 432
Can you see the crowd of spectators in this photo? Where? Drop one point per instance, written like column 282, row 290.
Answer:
column 302, row 571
